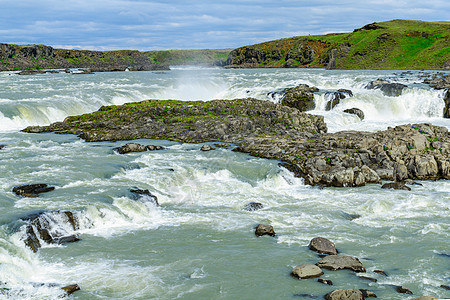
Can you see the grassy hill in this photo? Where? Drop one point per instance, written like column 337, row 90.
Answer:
column 189, row 57
column 397, row 44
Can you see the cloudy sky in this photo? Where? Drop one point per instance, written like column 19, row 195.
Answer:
column 194, row 24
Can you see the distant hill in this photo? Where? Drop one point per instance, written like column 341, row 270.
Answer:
column 210, row 57
column 397, row 44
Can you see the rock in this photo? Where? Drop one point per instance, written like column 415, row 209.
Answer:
column 397, row 185
column 439, row 81
column 339, row 262
column 325, row 281
column 332, row 60
column 263, row 229
column 371, row 26
column 322, row 245
column 305, row 271
column 403, row 290
column 345, row 294
column 425, row 298
column 445, row 287
column 145, row 195
column 334, row 98
column 31, row 72
column 368, row 294
column 388, row 89
column 32, row 190
column 300, row 97
column 2, row 146
column 447, row 104
column 154, row 148
column 207, row 148
column 70, row 289
column 252, row 206
column 131, row 147
column 381, row 272
column 355, row 111
column 48, row 227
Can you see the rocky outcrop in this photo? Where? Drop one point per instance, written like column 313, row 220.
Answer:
column 332, row 63
column 306, row 271
column 32, row 190
column 144, row 195
column 264, row 229
column 388, row 89
column 322, row 246
column 134, row 147
column 274, row 131
column 300, row 97
column 438, row 81
column 447, row 104
column 355, row 111
column 339, row 262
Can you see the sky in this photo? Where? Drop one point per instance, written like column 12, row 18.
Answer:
column 194, row 24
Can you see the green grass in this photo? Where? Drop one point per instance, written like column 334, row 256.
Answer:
column 188, row 57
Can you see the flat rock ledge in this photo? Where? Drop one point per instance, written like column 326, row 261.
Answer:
column 274, row 131
column 339, row 262
column 345, row 294
column 307, row 270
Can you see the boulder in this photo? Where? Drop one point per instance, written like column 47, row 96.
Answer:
column 368, row 294
column 32, row 190
column 206, row 148
column 381, row 272
column 355, row 111
column 339, row 262
column 439, row 81
column 300, row 97
column 334, row 98
column 403, row 290
column 322, row 245
column 388, row 89
column 263, row 229
column 445, row 287
column 345, row 294
column 396, row 185
column 368, row 278
column 154, row 148
column 131, row 147
column 425, row 298
column 305, row 271
column 144, row 195
column 252, row 206
column 70, row 289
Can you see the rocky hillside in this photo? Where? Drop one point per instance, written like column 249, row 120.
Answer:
column 208, row 57
column 34, row 57
column 397, row 44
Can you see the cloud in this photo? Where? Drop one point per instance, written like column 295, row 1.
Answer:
column 194, row 24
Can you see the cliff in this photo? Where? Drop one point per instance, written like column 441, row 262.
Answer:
column 397, row 44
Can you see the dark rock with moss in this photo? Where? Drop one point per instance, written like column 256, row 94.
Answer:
column 300, row 97
column 32, row 190
column 264, row 229
column 274, row 131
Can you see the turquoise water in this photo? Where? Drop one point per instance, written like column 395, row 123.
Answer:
column 200, row 243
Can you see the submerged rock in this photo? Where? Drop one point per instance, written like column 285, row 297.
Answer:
column 339, row 262
column 2, row 146
column 381, row 272
column 325, row 281
column 305, row 271
column 334, row 98
column 32, row 190
column 131, row 147
column 263, row 229
column 403, row 290
column 252, row 206
column 300, row 97
column 368, row 294
column 355, row 111
column 345, row 294
column 322, row 245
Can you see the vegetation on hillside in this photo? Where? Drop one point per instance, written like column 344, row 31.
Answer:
column 189, row 57
column 397, row 44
